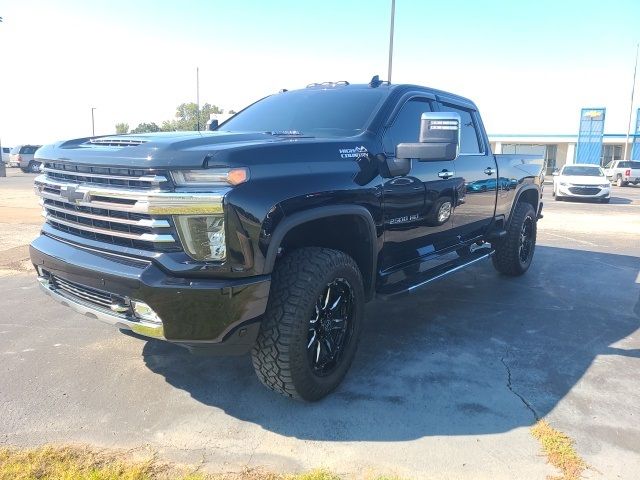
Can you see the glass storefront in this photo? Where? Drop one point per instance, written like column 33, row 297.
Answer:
column 610, row 152
column 549, row 152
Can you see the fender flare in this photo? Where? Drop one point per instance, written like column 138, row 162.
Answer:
column 516, row 199
column 299, row 218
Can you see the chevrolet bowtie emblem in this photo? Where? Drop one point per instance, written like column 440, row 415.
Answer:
column 71, row 194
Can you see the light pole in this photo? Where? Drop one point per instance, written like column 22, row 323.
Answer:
column 393, row 17
column 93, row 123
column 633, row 91
column 198, row 96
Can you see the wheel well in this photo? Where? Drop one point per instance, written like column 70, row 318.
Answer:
column 347, row 233
column 530, row 196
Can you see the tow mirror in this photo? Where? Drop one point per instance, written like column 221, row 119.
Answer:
column 439, row 138
column 391, row 167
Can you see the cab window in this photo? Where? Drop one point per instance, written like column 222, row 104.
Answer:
column 406, row 126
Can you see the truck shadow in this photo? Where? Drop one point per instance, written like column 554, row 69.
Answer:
column 453, row 359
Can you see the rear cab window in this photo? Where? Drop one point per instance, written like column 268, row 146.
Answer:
column 28, row 150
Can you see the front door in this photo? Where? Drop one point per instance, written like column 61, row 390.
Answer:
column 476, row 167
column 419, row 207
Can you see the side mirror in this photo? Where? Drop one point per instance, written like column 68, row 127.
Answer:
column 212, row 124
column 393, row 167
column 439, row 138
column 555, row 173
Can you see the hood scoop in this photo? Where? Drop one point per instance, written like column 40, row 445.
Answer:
column 117, row 142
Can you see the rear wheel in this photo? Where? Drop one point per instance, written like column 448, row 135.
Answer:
column 34, row 167
column 310, row 330
column 513, row 254
column 605, row 200
column 620, row 182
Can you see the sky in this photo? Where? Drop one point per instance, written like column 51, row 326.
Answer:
column 529, row 65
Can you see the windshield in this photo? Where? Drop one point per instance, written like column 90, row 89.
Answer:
column 341, row 112
column 583, row 171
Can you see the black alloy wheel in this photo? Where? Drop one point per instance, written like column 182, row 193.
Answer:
column 330, row 327
column 527, row 240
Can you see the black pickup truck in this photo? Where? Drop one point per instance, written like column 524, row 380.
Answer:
column 270, row 233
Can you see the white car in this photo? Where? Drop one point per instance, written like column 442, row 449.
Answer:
column 581, row 181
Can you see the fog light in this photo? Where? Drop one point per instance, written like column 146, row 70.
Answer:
column 145, row 312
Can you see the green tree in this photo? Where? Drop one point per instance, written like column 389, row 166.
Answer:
column 122, row 128
column 232, row 112
column 187, row 117
column 146, row 128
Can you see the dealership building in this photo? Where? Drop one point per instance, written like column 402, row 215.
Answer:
column 559, row 150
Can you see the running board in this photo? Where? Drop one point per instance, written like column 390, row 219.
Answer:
column 442, row 271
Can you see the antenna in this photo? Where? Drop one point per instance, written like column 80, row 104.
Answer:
column 393, row 17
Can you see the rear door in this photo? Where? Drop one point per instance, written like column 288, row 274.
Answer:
column 477, row 169
column 418, row 208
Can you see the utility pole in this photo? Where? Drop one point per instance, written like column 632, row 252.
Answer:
column 633, row 91
column 198, row 95
column 393, row 17
column 93, row 123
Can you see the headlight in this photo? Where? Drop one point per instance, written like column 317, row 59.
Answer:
column 605, row 185
column 210, row 176
column 202, row 236
column 564, row 184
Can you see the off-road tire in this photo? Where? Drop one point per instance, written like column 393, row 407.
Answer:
column 506, row 258
column 279, row 355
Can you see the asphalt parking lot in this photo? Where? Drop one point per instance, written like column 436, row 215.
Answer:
column 446, row 382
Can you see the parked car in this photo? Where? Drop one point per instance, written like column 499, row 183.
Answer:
column 623, row 172
column 23, row 156
column 581, row 181
column 269, row 234
column 6, row 154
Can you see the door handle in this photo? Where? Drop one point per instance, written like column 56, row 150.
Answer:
column 445, row 174
column 489, row 171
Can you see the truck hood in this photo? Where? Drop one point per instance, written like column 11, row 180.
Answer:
column 583, row 179
column 177, row 149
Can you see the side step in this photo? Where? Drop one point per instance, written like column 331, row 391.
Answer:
column 441, row 271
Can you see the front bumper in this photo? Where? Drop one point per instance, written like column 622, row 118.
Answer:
column 578, row 192
column 213, row 315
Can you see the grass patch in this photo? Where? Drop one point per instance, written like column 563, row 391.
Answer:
column 85, row 463
column 559, row 449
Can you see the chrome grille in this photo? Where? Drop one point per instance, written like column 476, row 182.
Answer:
column 128, row 207
column 74, row 202
column 91, row 295
column 104, row 176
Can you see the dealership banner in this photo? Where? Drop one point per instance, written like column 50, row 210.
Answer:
column 635, row 149
column 589, row 148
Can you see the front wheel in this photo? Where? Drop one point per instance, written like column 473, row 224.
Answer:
column 513, row 254
column 309, row 334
